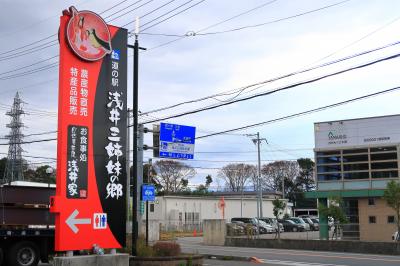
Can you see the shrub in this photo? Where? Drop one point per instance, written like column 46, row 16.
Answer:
column 143, row 250
column 167, row 249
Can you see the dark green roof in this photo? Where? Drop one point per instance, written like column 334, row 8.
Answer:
column 345, row 193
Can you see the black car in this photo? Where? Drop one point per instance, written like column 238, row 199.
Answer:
column 290, row 226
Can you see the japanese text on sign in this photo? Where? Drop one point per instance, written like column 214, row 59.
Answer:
column 79, row 91
column 114, row 150
column 77, row 162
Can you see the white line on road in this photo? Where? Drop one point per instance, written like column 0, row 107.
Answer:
column 297, row 263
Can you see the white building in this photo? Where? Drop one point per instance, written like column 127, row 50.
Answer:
column 187, row 211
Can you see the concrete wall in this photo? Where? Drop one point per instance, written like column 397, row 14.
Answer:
column 93, row 260
column 214, row 232
column 170, row 209
column 154, row 230
column 319, row 245
column 381, row 230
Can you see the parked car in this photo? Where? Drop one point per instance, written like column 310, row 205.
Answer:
column 245, row 226
column 314, row 226
column 265, row 228
column 301, row 222
column 235, row 229
column 291, row 226
column 274, row 223
column 253, row 221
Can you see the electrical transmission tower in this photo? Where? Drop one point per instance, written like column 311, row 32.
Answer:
column 14, row 166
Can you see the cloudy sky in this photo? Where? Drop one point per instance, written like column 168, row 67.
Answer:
column 201, row 48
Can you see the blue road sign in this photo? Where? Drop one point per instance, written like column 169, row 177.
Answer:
column 148, row 192
column 177, row 141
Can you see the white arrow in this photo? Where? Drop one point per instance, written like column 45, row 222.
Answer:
column 72, row 221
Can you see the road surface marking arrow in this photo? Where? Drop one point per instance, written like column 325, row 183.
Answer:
column 72, row 221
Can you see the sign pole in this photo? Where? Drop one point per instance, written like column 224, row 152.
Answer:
column 135, row 232
column 148, row 180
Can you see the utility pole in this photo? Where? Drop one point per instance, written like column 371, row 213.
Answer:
column 135, row 47
column 257, row 141
column 259, row 172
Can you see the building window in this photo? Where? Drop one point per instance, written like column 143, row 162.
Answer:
column 356, row 175
column 326, row 153
column 328, row 177
column 356, row 167
column 371, row 201
column 330, row 168
column 384, row 165
column 151, row 207
column 372, row 219
column 355, row 158
column 353, row 164
column 330, row 159
column 385, row 174
column 390, row 219
column 383, row 156
column 383, row 149
column 355, row 151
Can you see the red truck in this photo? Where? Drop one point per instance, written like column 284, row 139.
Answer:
column 27, row 226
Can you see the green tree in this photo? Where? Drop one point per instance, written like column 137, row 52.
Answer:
column 335, row 210
column 3, row 163
column 392, row 197
column 209, row 180
column 305, row 179
column 40, row 175
column 278, row 208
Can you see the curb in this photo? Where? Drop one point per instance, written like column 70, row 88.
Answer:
column 225, row 257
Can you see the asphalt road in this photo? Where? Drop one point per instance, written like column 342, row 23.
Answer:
column 276, row 257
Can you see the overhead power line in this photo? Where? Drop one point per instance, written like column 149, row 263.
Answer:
column 301, row 113
column 276, row 90
column 238, row 91
column 274, row 21
column 28, row 142
column 36, row 63
column 131, row 10
column 195, row 33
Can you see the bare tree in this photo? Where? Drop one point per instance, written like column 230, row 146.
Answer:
column 273, row 173
column 236, row 176
column 172, row 175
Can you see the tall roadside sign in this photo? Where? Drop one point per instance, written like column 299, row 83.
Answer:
column 90, row 200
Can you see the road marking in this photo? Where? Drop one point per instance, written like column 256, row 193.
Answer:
column 291, row 253
column 297, row 263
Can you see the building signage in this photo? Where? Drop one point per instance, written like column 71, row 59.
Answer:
column 177, row 141
column 90, row 200
column 383, row 130
column 148, row 192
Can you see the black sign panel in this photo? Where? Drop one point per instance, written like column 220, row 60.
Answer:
column 77, row 162
column 109, row 136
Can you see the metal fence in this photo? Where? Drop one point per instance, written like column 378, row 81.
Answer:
column 179, row 226
column 348, row 231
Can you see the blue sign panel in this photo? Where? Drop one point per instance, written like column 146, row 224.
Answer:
column 148, row 192
column 177, row 141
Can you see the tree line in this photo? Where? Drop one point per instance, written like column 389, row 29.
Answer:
column 172, row 176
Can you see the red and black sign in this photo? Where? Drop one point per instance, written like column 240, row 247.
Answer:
column 90, row 201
